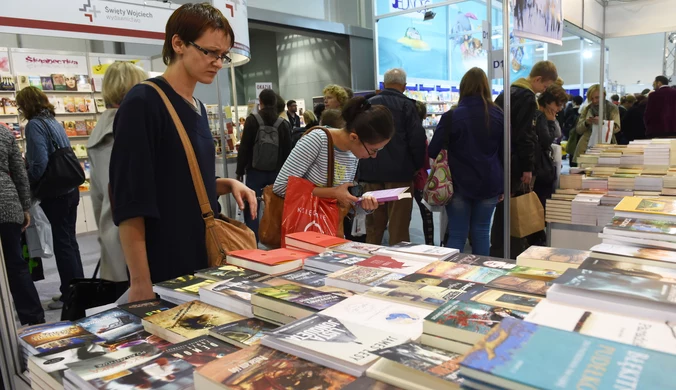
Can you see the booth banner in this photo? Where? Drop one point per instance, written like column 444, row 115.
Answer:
column 46, row 64
column 4, row 60
column 134, row 21
column 236, row 13
column 99, row 64
column 540, row 20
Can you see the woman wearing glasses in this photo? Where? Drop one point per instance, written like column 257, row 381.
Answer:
column 154, row 202
column 367, row 130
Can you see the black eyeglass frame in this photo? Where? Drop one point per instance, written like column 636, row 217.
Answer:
column 223, row 58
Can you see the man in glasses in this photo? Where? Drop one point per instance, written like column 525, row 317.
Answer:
column 396, row 164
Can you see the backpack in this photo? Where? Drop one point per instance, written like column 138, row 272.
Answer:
column 266, row 148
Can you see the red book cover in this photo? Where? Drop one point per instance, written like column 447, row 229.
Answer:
column 381, row 262
column 318, row 239
column 272, row 257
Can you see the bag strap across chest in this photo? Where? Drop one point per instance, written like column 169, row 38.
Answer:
column 331, row 167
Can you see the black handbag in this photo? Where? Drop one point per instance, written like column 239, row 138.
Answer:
column 85, row 293
column 63, row 172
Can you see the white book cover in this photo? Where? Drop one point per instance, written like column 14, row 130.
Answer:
column 330, row 338
column 658, row 336
column 389, row 316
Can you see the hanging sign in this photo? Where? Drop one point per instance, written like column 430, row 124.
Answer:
column 134, row 21
column 47, row 64
column 539, row 20
column 498, row 68
column 261, row 86
column 236, row 13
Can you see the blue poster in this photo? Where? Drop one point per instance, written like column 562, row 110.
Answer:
column 464, row 33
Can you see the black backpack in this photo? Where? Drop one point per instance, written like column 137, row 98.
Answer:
column 266, row 148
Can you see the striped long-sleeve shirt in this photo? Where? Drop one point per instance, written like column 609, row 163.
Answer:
column 309, row 160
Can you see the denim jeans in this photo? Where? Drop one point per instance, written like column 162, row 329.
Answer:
column 61, row 211
column 257, row 180
column 470, row 217
column 21, row 285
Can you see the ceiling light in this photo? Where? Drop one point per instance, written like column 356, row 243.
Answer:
column 587, row 54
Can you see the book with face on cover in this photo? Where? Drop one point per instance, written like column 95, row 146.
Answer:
column 243, row 333
column 630, row 269
column 187, row 321
column 558, row 259
column 259, row 367
column 511, row 356
column 523, row 285
column 413, row 365
column 329, row 261
column 111, row 324
column 391, row 195
column 360, row 279
column 482, row 261
column 333, row 343
column 200, row 350
column 23, row 81
column 54, row 337
column 227, row 272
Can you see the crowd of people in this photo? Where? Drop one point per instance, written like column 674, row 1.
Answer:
column 151, row 227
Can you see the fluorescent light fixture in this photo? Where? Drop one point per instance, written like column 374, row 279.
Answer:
column 587, row 54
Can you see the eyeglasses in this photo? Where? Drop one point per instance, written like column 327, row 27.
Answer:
column 224, row 58
column 370, row 152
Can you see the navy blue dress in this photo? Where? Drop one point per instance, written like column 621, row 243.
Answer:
column 150, row 178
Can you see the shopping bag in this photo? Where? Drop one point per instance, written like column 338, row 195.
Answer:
column 602, row 134
column 304, row 212
column 39, row 234
column 526, row 214
column 35, row 266
column 439, row 187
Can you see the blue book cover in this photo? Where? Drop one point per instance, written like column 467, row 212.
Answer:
column 547, row 358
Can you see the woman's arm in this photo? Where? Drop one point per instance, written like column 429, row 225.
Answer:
column 37, row 150
column 133, row 240
column 617, row 125
column 440, row 135
column 240, row 192
column 300, row 160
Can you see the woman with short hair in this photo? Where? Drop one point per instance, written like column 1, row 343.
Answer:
column 120, row 77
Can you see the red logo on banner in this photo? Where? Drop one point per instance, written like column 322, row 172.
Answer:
column 232, row 10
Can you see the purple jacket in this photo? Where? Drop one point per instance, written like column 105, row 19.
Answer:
column 660, row 115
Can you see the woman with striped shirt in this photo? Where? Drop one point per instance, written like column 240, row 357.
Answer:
column 368, row 129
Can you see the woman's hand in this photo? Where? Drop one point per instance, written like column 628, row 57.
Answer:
column 242, row 194
column 550, row 114
column 593, row 120
column 343, row 196
column 141, row 291
column 368, row 203
column 26, row 221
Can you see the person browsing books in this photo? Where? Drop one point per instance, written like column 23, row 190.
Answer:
column 473, row 133
column 367, row 130
column 154, row 201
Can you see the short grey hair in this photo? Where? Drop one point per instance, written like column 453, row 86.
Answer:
column 395, row 76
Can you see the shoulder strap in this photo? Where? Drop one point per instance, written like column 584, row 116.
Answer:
column 259, row 119
column 49, row 134
column 329, row 175
column 278, row 123
column 197, row 181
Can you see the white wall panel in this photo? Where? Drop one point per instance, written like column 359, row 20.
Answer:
column 593, row 17
column 641, row 17
column 572, row 11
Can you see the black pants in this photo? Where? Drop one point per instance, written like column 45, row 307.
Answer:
column 427, row 219
column 21, row 284
column 62, row 214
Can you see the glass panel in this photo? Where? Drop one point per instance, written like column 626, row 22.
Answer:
column 384, row 7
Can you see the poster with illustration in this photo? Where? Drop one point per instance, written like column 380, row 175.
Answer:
column 540, row 20
column 4, row 61
column 410, row 42
column 465, row 38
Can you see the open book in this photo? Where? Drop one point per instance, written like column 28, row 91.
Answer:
column 383, row 196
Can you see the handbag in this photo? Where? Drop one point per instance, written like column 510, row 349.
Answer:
column 63, row 172
column 223, row 234
column 270, row 229
column 85, row 293
column 439, row 187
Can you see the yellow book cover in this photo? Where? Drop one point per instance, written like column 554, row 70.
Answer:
column 192, row 319
column 647, row 206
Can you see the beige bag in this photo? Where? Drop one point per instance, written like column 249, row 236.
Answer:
column 526, row 214
column 223, row 234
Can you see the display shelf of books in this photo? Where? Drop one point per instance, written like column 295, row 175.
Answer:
column 230, row 134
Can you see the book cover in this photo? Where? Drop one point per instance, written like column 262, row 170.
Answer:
column 192, row 319
column 307, row 298
column 58, row 82
column 317, row 239
column 391, row 195
column 335, row 258
column 90, row 125
column 366, row 383
column 54, row 364
column 557, row 255
column 514, row 351
column 163, row 372
column 135, row 339
column 83, row 83
column 470, row 273
column 69, row 127
column 365, row 276
column 142, row 309
column 228, row 271
column 432, row 361
column 619, row 285
column 532, row 272
column 23, row 81
column 7, row 83
column 36, row 81
column 91, row 106
column 472, row 316
column 482, row 261
column 69, row 104
column 265, row 368
column 421, row 250
column 630, row 269
column 357, row 248
column 336, row 338
column 47, row 84
column 111, row 324
column 278, row 281
column 114, row 362
column 200, row 350
column 389, row 264
column 100, row 105
column 80, row 128
column 389, row 316
column 642, row 225
column 506, row 299
column 80, row 104
column 661, row 255
column 634, row 204
column 57, row 336
column 272, row 257
column 451, row 284
column 71, row 82
column 10, row 106
column 408, row 292
column 304, row 277
column 239, row 288
column 248, row 331
column 57, row 102
column 187, row 283
column 518, row 284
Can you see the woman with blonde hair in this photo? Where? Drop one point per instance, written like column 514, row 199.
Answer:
column 472, row 133
column 590, row 117
column 120, row 77
column 335, row 97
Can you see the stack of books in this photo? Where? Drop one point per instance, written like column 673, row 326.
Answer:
column 233, row 295
column 584, row 209
column 558, row 211
column 657, row 154
column 622, row 181
column 573, row 182
column 559, row 259
column 595, row 183
column 646, row 182
column 361, row 279
column 289, row 302
column 182, row 289
column 273, row 262
column 329, row 262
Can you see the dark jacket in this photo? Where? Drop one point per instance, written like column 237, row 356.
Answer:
column 474, row 150
column 298, row 132
column 405, row 153
column 524, row 138
column 633, row 125
column 246, row 146
column 545, row 171
column 660, row 115
column 293, row 120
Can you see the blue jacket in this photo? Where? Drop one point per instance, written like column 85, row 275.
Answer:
column 39, row 146
column 474, row 151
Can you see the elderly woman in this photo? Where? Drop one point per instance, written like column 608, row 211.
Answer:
column 120, row 77
column 335, row 97
column 590, row 116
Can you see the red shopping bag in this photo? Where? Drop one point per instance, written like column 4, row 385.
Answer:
column 304, row 212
